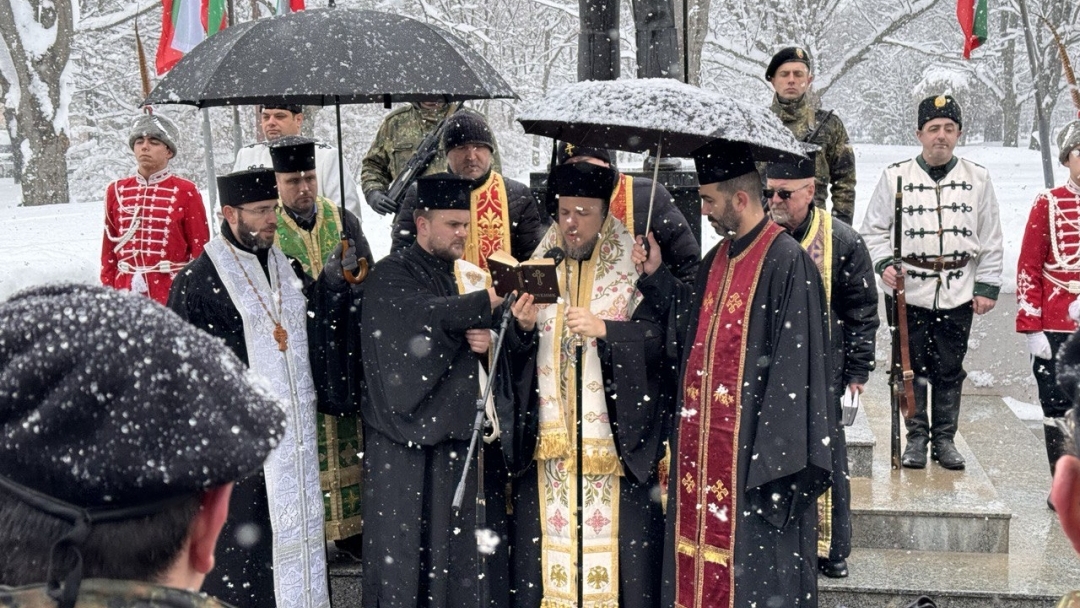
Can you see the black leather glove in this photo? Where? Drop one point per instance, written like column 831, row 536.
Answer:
column 381, row 203
column 335, row 267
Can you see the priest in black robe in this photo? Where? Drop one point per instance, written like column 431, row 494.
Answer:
column 244, row 572
column 423, row 343
column 622, row 405
column 751, row 448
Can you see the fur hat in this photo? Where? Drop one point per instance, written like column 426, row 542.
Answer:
column 1068, row 139
column 110, row 400
column 785, row 55
column 156, row 126
column 467, row 127
column 940, row 106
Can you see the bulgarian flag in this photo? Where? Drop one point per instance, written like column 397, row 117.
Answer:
column 184, row 24
column 289, row 6
column 972, row 17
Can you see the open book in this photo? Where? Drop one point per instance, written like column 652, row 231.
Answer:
column 537, row 277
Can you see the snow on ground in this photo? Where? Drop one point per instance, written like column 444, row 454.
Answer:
column 63, row 242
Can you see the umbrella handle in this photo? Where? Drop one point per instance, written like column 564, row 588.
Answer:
column 362, row 270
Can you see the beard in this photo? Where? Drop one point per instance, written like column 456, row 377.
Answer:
column 250, row 238
column 450, row 252
column 583, row 251
column 726, row 223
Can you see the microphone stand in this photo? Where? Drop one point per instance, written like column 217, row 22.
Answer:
column 478, row 426
column 580, row 426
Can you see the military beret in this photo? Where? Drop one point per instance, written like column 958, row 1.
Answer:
column 444, row 191
column 1068, row 139
column 720, row 161
column 293, row 153
column 109, row 400
column 785, row 55
column 585, row 180
column 566, row 151
column 247, row 186
column 939, row 106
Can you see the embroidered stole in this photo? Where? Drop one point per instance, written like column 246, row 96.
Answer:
column 622, row 201
column 707, row 460
column 470, row 278
column 606, row 284
column 339, row 438
column 818, row 243
column 292, row 469
column 489, row 230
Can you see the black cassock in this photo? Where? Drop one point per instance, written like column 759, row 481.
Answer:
column 243, row 573
column 637, row 392
column 422, row 388
column 785, row 401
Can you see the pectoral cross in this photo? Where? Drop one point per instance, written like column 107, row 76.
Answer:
column 281, row 336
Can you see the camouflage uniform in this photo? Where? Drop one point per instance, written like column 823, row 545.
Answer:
column 105, row 593
column 835, row 161
column 395, row 143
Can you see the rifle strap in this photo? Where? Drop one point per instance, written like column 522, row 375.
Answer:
column 906, row 374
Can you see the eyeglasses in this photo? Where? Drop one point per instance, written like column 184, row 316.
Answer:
column 260, row 211
column 784, row 195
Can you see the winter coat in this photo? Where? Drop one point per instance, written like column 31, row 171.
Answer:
column 835, row 160
column 1048, row 271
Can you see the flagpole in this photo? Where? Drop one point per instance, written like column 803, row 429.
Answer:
column 211, row 178
column 1044, row 127
column 237, row 142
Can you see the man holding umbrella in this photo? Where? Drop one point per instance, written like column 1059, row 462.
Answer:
column 503, row 213
column 284, row 120
column 308, row 229
column 629, row 204
column 624, row 408
column 751, row 448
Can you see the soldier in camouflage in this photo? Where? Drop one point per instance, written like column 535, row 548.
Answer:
column 791, row 72
column 395, row 143
column 117, row 493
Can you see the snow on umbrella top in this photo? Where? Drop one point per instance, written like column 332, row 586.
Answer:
column 328, row 56
column 634, row 115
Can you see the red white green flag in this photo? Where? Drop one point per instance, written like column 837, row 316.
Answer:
column 184, row 24
column 289, row 6
column 972, row 17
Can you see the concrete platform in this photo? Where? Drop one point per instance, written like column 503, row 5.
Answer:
column 860, row 445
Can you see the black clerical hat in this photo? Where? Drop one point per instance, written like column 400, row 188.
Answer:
column 567, row 150
column 247, row 186
column 109, row 400
column 293, row 153
column 798, row 168
column 720, row 161
column 939, row 106
column 443, row 191
column 584, row 179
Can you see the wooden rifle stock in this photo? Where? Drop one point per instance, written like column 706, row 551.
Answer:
column 901, row 376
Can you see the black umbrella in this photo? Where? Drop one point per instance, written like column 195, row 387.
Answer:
column 329, row 56
column 656, row 115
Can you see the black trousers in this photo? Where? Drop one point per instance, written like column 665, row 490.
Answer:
column 1055, row 403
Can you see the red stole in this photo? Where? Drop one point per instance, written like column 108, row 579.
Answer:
column 707, row 461
column 622, row 201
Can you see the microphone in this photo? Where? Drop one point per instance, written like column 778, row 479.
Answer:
column 557, row 254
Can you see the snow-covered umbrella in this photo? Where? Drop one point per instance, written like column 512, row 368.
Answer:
column 656, row 115
column 330, row 56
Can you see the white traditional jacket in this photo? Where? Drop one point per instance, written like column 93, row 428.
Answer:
column 952, row 224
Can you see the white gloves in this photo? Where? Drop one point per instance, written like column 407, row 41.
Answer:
column 1074, row 310
column 1039, row 346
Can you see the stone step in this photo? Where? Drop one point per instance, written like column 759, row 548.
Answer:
column 931, row 509
column 860, row 445
column 886, row 578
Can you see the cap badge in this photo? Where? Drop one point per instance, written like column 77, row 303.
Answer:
column 570, row 149
column 940, row 101
column 799, row 53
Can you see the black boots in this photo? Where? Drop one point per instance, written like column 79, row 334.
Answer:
column 945, row 414
column 1055, row 447
column 918, row 429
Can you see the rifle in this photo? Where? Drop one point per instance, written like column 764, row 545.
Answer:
column 421, row 160
column 809, row 139
column 901, row 377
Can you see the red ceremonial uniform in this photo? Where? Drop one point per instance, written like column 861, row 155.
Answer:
column 1048, row 271
column 153, row 227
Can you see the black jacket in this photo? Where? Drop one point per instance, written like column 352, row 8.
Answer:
column 527, row 224
column 678, row 247
column 853, row 306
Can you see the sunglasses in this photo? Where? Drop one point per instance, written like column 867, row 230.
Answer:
column 784, row 195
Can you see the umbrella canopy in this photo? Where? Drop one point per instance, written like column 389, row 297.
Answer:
column 637, row 115
column 329, row 56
